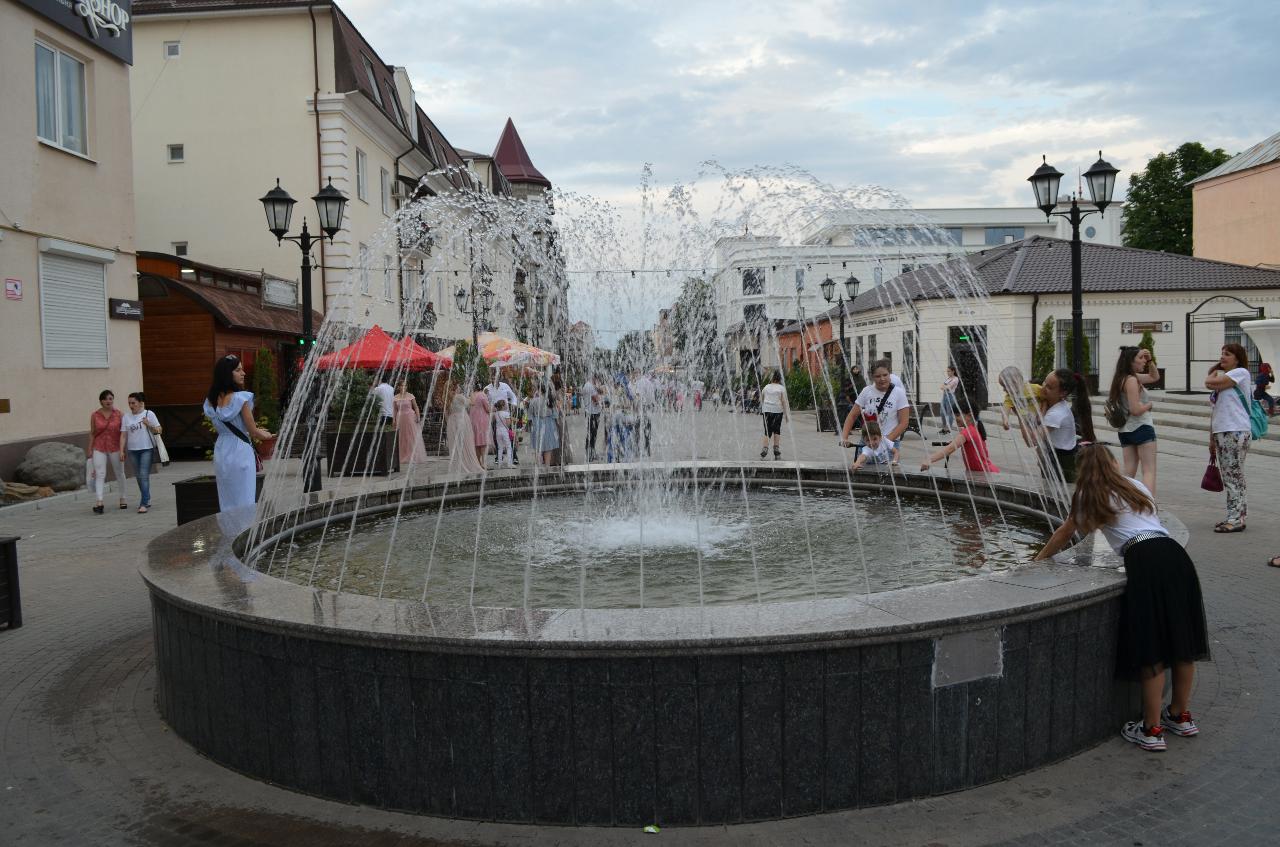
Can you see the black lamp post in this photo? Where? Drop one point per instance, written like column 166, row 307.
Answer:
column 1102, row 182
column 279, row 207
column 477, row 306
column 851, row 288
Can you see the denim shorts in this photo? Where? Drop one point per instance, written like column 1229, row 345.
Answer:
column 1141, row 435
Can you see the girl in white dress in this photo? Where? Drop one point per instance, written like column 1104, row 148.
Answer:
column 230, row 409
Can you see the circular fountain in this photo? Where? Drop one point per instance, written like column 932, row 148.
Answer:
column 701, row 639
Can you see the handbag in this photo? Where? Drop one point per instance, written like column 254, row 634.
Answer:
column 157, row 444
column 1258, row 423
column 1212, row 479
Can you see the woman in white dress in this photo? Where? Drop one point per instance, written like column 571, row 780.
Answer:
column 462, row 440
column 230, row 409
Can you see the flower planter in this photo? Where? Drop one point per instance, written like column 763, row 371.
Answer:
column 370, row 452
column 265, row 449
column 197, row 497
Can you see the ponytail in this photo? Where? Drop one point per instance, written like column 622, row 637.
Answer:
column 1076, row 387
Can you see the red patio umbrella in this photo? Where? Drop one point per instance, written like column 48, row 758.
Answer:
column 379, row 350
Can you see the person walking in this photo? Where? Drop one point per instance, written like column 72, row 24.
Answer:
column 1162, row 620
column 481, row 428
column 462, row 439
column 1134, row 372
column 1264, row 378
column 386, row 402
column 140, row 427
column 499, row 389
column 544, row 424
column 949, row 386
column 104, row 447
column 774, row 408
column 230, row 409
column 592, row 406
column 409, row 441
column 502, row 433
column 1230, row 431
column 1066, row 418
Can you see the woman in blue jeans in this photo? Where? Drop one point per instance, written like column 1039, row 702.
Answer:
column 139, row 428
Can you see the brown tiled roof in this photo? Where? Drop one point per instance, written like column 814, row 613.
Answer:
column 513, row 160
column 1042, row 265
column 238, row 309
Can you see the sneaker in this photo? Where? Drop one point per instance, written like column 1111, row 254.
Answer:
column 764, row 453
column 1148, row 739
column 1179, row 724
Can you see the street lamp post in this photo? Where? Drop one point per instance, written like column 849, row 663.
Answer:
column 278, row 206
column 1101, row 178
column 851, row 288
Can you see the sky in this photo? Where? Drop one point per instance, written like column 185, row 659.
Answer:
column 948, row 103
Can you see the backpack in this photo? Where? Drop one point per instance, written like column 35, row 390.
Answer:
column 1115, row 413
column 1258, row 423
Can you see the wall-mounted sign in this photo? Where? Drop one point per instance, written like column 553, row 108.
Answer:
column 279, row 292
column 106, row 24
column 13, row 289
column 1146, row 326
column 125, row 310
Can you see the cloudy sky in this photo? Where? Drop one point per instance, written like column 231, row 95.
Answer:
column 949, row 103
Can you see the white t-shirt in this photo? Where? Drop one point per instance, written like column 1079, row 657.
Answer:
column 1229, row 414
column 590, row 400
column 882, row 454
column 645, row 391
column 949, row 385
column 771, row 398
column 501, row 391
column 1061, row 425
column 869, row 401
column 504, row 419
column 1129, row 523
column 138, row 436
column 387, row 395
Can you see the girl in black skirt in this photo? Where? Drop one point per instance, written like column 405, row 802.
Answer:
column 1162, row 623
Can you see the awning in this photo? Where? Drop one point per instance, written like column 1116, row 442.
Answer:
column 377, row 350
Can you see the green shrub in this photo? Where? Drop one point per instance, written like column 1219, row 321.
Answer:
column 1148, row 343
column 266, row 388
column 1042, row 359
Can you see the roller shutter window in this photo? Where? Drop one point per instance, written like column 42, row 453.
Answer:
column 73, row 312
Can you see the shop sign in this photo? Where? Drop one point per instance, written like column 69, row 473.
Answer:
column 1127, row 327
column 106, row 24
column 279, row 292
column 13, row 289
column 125, row 310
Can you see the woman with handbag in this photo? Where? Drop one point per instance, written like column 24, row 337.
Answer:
column 140, row 428
column 1230, row 431
column 1129, row 404
column 229, row 409
column 104, row 447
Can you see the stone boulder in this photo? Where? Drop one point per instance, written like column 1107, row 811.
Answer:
column 55, row 464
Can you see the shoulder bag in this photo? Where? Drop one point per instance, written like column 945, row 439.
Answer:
column 157, row 443
column 1258, row 423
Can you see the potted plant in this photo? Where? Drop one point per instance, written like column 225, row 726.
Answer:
column 357, row 442
column 1148, row 343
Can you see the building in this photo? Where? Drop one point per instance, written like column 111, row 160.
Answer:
column 69, row 317
column 1235, row 208
column 985, row 310
column 759, row 279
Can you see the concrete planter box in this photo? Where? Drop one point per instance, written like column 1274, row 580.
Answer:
column 372, row 452
column 197, row 497
column 10, row 598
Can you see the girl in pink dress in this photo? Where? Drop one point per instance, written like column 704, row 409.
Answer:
column 408, row 426
column 480, row 412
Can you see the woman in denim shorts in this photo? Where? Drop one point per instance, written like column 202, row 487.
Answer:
column 1134, row 372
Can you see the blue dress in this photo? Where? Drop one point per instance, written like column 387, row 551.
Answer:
column 543, row 425
column 234, row 465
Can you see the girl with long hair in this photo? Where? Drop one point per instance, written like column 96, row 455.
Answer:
column 229, row 409
column 1162, row 622
column 104, row 447
column 1066, row 417
column 1230, row 431
column 1134, row 372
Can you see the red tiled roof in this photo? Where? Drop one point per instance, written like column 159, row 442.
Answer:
column 513, row 160
column 239, row 309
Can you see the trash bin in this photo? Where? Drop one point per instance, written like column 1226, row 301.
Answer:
column 10, row 598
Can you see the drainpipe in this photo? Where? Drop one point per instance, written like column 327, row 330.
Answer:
column 315, row 102
column 1035, row 330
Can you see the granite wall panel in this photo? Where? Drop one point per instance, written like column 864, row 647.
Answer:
column 634, row 743
column 1011, row 714
column 593, row 746
column 877, row 744
column 512, row 758
column 719, row 748
column 915, row 730
column 842, row 714
column 433, row 745
column 471, row 739
column 951, row 749
column 762, row 696
column 803, row 737
column 551, row 741
column 982, row 762
column 676, row 749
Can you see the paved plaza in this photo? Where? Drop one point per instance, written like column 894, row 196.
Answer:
column 85, row 759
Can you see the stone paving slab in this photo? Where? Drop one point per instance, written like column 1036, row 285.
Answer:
column 84, row 758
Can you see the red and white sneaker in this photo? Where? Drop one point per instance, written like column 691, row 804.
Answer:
column 1150, row 739
column 1179, row 724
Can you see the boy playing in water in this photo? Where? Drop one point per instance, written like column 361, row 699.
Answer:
column 878, row 450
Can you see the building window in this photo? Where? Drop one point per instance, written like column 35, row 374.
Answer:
column 362, row 260
column 1091, row 342
column 362, row 175
column 877, row 274
column 754, row 318
column 73, row 312
column 179, row 248
column 906, row 269
column 799, row 280
column 1004, row 234
column 858, row 358
column 177, row 153
column 386, row 191
column 386, row 277
column 953, row 235
column 172, row 49
column 373, row 80
column 871, row 349
column 60, row 100
column 753, row 281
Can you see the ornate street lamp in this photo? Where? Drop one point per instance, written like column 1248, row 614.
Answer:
column 851, row 288
column 1101, row 179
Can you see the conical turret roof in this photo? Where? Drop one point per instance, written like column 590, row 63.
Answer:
column 513, row 160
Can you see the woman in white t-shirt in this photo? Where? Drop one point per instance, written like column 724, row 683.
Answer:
column 949, row 386
column 1066, row 417
column 1162, row 623
column 1229, row 430
column 881, row 402
column 139, row 426
column 774, row 407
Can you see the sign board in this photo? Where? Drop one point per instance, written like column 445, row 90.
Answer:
column 13, row 289
column 1146, row 326
column 106, row 24
column 279, row 292
column 125, row 310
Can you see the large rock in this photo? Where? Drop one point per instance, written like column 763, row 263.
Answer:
column 55, row 464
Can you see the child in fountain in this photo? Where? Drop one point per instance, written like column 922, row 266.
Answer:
column 877, row 450
column 969, row 442
column 502, row 429
column 1162, row 623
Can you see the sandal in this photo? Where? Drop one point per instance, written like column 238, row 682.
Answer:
column 142, row 510
column 1274, row 562
column 764, row 453
column 123, row 505
column 98, row 509
column 1228, row 526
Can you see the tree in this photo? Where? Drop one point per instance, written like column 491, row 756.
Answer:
column 635, row 351
column 1157, row 213
column 1085, row 349
column 266, row 388
column 695, row 333
column 1043, row 357
column 1148, row 343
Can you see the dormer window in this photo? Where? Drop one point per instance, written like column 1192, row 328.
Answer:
column 373, row 81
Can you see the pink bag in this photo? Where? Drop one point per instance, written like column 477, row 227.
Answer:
column 1212, row 480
